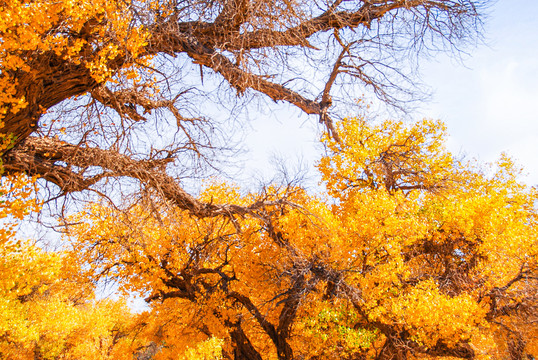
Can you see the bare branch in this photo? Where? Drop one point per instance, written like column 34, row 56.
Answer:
column 44, row 157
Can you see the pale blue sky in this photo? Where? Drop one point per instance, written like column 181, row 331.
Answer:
column 488, row 102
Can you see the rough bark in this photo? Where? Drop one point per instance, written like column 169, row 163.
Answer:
column 239, row 27
column 243, row 348
column 46, row 157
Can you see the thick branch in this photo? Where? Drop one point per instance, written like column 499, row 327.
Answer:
column 298, row 35
column 243, row 348
column 54, row 160
column 247, row 303
column 52, row 81
column 55, row 78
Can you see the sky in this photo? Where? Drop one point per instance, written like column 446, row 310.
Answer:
column 488, row 100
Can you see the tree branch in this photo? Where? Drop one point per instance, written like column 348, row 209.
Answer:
column 54, row 160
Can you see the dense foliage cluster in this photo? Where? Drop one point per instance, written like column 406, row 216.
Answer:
column 408, row 253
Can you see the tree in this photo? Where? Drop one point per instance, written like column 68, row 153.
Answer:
column 47, row 312
column 410, row 253
column 88, row 79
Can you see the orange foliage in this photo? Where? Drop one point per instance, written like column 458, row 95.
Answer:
column 104, row 34
column 45, row 313
column 409, row 253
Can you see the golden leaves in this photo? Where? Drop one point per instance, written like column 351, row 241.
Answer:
column 405, row 239
column 95, row 33
column 45, row 311
column 406, row 242
column 389, row 155
column 210, row 349
column 430, row 316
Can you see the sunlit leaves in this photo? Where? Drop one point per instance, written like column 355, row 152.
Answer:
column 44, row 311
column 390, row 155
column 89, row 33
column 407, row 249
